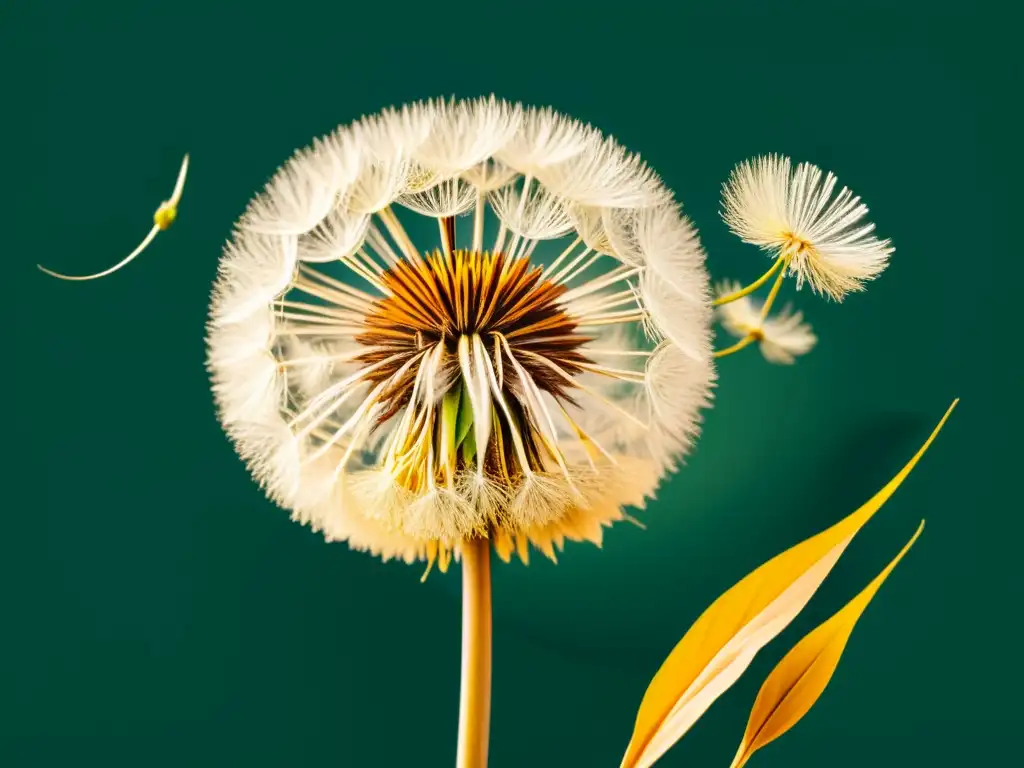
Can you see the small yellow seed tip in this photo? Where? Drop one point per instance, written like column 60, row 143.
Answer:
column 165, row 216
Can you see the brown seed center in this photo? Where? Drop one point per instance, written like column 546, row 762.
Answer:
column 507, row 302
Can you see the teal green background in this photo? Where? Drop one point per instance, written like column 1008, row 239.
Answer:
column 159, row 612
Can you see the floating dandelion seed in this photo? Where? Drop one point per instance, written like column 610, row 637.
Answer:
column 162, row 219
column 792, row 214
column 429, row 395
column 782, row 337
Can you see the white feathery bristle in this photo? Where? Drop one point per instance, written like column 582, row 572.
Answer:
column 341, row 517
column 338, row 235
column 313, row 364
column 273, row 454
column 685, row 323
column 466, row 133
column 630, row 483
column 305, row 189
column 254, row 391
column 488, row 498
column 605, row 175
column 244, row 371
column 377, row 496
column 393, row 133
column 450, row 197
column 546, row 138
column 620, row 225
column 320, row 486
column 678, row 389
column 755, row 200
column 443, row 515
column 786, row 336
column 338, row 157
column 623, row 437
column 254, row 270
column 673, row 286
column 667, row 241
column 230, row 344
column 378, row 184
column 539, row 500
column 589, row 223
column 388, row 143
column 533, row 213
column 489, row 175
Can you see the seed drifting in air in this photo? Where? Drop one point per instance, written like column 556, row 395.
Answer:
column 162, row 219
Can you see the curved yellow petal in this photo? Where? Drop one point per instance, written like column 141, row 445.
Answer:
column 801, row 677
column 724, row 640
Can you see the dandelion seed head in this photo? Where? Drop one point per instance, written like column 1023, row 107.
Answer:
column 794, row 214
column 524, row 372
column 782, row 336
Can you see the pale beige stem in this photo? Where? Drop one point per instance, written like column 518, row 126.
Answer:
column 475, row 696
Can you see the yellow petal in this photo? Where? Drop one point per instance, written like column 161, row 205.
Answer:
column 800, row 678
column 724, row 640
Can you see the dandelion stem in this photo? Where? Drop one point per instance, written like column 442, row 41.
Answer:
column 478, row 223
column 447, row 227
column 554, row 264
column 475, row 696
column 771, row 296
column 399, row 235
column 729, row 297
column 737, row 346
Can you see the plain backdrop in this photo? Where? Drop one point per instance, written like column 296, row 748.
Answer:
column 157, row 611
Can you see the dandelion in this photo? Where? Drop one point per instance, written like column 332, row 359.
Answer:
column 458, row 326
column 782, row 337
column 792, row 214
